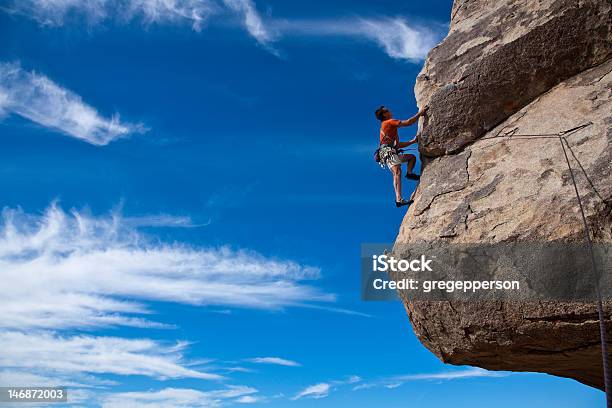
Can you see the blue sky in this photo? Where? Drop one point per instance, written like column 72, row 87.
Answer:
column 186, row 186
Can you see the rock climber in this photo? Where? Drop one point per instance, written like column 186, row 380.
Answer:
column 389, row 152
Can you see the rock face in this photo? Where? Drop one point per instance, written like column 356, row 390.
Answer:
column 517, row 67
column 499, row 56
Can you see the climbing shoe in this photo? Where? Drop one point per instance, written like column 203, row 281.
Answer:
column 403, row 203
column 412, row 176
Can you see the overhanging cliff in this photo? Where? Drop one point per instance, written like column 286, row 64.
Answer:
column 523, row 67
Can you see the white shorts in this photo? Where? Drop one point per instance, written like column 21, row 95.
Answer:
column 389, row 157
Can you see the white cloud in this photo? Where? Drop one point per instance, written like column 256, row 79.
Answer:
column 274, row 360
column 179, row 398
column 171, row 11
column 78, row 396
column 316, row 391
column 399, row 39
column 166, row 398
column 66, row 356
column 397, row 381
column 57, row 12
column 251, row 20
column 37, row 98
column 54, row 12
column 366, row 386
column 237, row 370
column 322, row 390
column 72, row 270
column 163, row 220
column 24, row 378
column 351, row 380
column 248, row 399
column 473, row 372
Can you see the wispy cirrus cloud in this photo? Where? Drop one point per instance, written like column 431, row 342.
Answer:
column 315, row 391
column 322, row 390
column 252, row 20
column 398, row 38
column 76, row 270
column 274, row 361
column 472, row 372
column 249, row 399
column 56, row 13
column 37, row 98
column 163, row 220
column 25, row 378
column 73, row 271
column 50, row 353
column 169, row 11
column 395, row 36
column 180, row 398
column 399, row 380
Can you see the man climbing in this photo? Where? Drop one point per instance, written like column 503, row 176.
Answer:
column 389, row 149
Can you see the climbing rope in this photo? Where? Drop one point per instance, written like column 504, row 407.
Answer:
column 562, row 137
column 587, row 237
column 513, row 134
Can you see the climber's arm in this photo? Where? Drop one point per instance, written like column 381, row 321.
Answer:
column 412, row 120
column 406, row 144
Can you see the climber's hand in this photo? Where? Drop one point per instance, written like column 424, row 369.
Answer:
column 415, row 118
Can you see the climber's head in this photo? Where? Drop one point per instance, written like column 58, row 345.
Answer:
column 383, row 113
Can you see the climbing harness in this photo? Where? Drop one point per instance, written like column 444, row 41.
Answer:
column 384, row 151
column 562, row 137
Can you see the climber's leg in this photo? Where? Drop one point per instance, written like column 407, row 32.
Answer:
column 397, row 181
column 394, row 162
column 410, row 160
